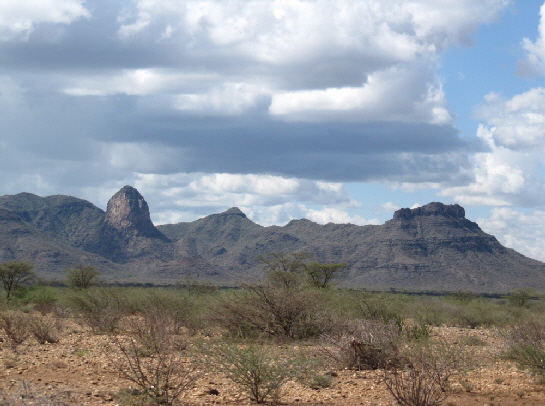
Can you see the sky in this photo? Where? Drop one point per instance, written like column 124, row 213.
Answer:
column 337, row 111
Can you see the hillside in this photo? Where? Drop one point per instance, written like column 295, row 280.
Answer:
column 433, row 247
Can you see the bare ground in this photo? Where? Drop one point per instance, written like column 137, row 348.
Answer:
column 79, row 370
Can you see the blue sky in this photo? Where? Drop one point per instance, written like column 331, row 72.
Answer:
column 334, row 111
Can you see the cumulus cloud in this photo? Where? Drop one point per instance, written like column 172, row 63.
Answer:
column 337, row 216
column 226, row 190
column 350, row 59
column 388, row 94
column 266, row 199
column 518, row 123
column 229, row 99
column 134, row 82
column 338, row 91
column 19, row 17
column 534, row 63
column 510, row 171
column 266, row 105
column 522, row 231
column 388, row 207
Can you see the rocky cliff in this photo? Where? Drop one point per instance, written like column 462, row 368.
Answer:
column 128, row 213
column 433, row 247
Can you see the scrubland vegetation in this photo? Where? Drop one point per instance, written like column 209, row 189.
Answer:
column 290, row 327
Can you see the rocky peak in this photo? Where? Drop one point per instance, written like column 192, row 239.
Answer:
column 128, row 212
column 432, row 209
column 234, row 211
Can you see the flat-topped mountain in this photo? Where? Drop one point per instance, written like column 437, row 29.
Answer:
column 433, row 247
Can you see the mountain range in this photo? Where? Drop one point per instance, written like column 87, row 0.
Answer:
column 433, row 247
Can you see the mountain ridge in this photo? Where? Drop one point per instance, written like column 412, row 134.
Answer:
column 432, row 247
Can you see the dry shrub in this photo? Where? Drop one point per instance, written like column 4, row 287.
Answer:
column 526, row 346
column 44, row 329
column 423, row 378
column 365, row 344
column 154, row 359
column 16, row 326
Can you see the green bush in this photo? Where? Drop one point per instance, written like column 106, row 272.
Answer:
column 100, row 308
column 378, row 306
column 433, row 311
column 274, row 311
column 526, row 346
column 43, row 298
column 178, row 306
column 481, row 313
column 261, row 370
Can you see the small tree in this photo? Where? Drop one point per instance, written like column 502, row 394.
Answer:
column 82, row 276
column 14, row 274
column 285, row 270
column 521, row 297
column 321, row 275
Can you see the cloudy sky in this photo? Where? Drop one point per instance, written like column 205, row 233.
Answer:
column 340, row 111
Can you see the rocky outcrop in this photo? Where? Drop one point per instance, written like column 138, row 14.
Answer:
column 128, row 213
column 432, row 209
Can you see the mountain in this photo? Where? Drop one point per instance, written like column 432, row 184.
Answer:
column 433, row 247
column 19, row 240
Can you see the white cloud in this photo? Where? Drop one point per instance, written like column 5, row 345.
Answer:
column 394, row 94
column 332, row 215
column 19, row 17
column 388, row 207
column 266, row 199
column 511, row 172
column 524, row 232
column 226, row 190
column 518, row 123
column 228, row 99
column 136, row 82
column 281, row 214
column 534, row 64
column 282, row 31
column 348, row 60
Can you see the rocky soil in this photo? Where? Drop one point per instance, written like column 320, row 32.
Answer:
column 80, row 369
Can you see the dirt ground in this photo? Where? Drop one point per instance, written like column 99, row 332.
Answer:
column 78, row 370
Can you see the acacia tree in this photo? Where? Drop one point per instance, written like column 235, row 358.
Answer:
column 321, row 275
column 285, row 270
column 14, row 274
column 82, row 276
